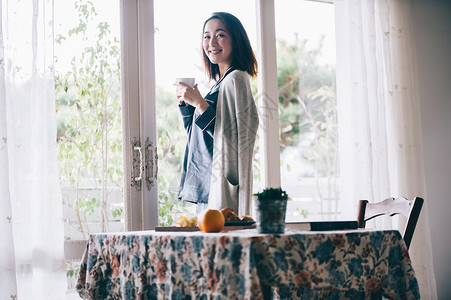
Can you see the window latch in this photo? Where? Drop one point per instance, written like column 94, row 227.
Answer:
column 151, row 164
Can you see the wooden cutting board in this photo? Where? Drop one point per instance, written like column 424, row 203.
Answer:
column 177, row 228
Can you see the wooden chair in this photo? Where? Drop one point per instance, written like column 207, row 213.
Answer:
column 392, row 206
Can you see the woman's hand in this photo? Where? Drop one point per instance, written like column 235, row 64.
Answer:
column 191, row 96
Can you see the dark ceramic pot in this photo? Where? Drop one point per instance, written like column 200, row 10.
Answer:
column 270, row 215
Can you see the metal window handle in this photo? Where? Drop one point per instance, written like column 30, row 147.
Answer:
column 154, row 163
column 150, row 164
column 137, row 148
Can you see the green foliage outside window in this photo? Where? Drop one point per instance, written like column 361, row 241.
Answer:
column 89, row 123
column 308, row 106
column 308, row 116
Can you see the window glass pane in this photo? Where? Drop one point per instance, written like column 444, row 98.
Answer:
column 178, row 36
column 88, row 95
column 305, row 36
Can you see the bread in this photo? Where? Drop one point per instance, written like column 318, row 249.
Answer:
column 247, row 218
column 229, row 215
column 226, row 210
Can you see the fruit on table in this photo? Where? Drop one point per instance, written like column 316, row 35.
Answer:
column 211, row 220
column 186, row 221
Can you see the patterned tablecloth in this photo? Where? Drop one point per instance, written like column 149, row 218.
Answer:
column 354, row 264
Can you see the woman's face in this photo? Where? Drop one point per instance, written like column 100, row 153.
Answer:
column 217, row 44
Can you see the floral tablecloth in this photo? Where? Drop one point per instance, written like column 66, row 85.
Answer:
column 354, row 264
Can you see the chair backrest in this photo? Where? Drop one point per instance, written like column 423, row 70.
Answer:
column 392, row 206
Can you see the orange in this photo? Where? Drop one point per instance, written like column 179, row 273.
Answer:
column 211, row 220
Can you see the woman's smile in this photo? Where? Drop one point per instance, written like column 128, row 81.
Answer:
column 215, row 51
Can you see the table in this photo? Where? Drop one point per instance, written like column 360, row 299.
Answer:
column 354, row 264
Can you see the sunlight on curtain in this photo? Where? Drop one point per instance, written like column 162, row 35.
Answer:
column 378, row 113
column 30, row 194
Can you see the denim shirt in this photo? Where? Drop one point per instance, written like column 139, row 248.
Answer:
column 197, row 163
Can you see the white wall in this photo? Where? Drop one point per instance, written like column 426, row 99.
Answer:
column 432, row 25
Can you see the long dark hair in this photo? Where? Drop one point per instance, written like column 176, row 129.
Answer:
column 243, row 57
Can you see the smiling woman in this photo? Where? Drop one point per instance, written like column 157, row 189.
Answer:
column 185, row 55
column 221, row 128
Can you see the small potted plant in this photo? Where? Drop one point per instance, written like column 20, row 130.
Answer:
column 271, row 206
column 272, row 193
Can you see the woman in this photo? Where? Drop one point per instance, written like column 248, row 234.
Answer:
column 221, row 126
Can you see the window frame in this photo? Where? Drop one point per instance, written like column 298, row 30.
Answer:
column 268, row 93
column 139, row 109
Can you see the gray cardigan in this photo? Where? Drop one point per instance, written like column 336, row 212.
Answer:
column 234, row 138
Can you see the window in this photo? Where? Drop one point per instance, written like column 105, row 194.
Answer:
column 116, row 95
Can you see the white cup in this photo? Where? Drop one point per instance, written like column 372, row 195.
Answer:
column 186, row 80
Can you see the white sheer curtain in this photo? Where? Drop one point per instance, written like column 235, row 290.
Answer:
column 378, row 109
column 32, row 258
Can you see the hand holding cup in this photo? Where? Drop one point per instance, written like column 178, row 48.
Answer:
column 183, row 83
column 187, row 91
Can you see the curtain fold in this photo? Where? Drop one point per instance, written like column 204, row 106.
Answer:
column 7, row 262
column 378, row 115
column 30, row 193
